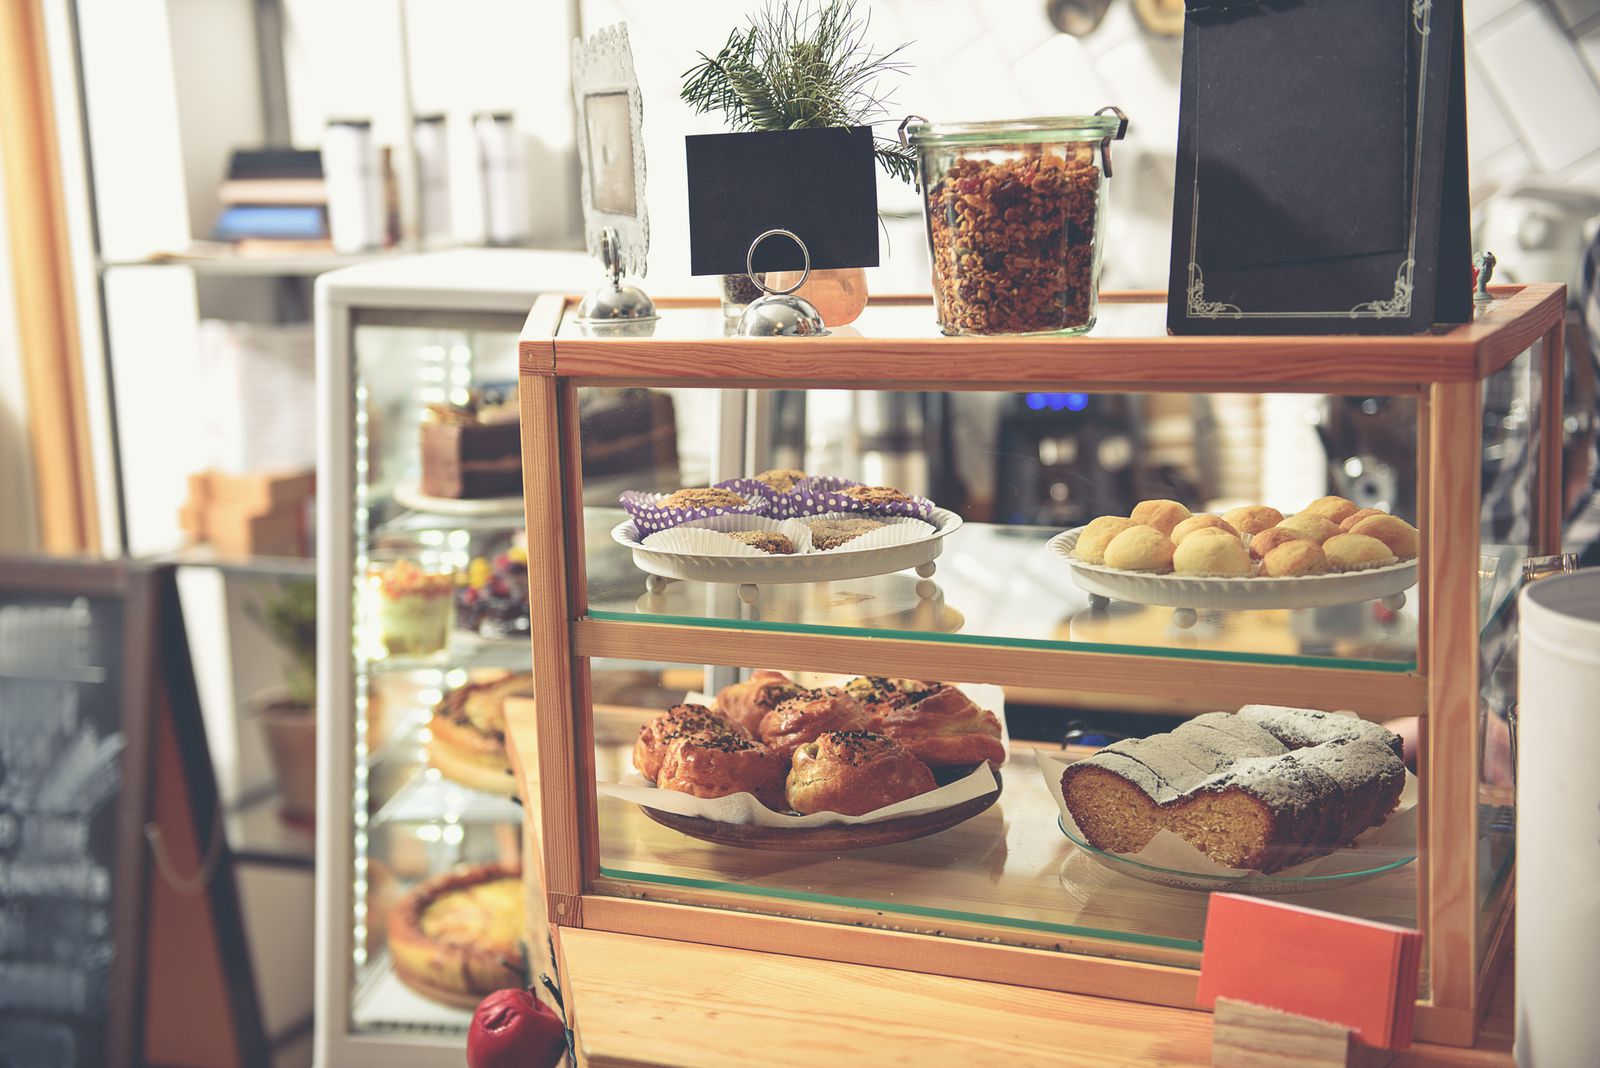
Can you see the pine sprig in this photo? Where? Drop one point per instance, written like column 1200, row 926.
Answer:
column 798, row 66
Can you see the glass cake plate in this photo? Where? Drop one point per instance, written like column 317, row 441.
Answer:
column 1343, row 867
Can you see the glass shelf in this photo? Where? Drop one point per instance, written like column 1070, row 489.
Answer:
column 467, row 652
column 1008, row 868
column 996, row 585
column 417, row 523
column 383, row 1003
column 429, row 797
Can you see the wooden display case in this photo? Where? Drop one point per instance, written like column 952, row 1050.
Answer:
column 986, row 900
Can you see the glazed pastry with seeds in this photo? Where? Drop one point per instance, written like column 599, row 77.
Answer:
column 812, row 712
column 853, row 773
column 724, row 764
column 945, row 728
column 679, row 721
column 745, row 703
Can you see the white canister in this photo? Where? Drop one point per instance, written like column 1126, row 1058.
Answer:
column 428, row 137
column 504, row 178
column 1558, row 822
column 351, row 169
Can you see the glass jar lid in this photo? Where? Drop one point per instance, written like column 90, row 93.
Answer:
column 919, row 131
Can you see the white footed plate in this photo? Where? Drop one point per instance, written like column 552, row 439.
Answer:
column 409, row 495
column 1191, row 591
column 754, row 568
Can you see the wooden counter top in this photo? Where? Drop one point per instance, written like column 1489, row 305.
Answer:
column 638, row 1002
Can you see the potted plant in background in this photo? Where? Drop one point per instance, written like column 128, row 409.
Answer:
column 288, row 716
column 800, row 66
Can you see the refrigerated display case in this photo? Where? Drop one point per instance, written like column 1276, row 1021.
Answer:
column 1006, row 895
column 393, row 338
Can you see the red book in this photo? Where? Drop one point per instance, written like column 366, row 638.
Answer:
column 1354, row 973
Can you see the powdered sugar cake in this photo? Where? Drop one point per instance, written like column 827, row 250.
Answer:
column 1262, row 788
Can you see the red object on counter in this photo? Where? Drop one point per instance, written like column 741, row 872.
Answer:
column 514, row 1029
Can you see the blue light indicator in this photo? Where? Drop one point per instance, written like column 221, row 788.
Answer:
column 1072, row 402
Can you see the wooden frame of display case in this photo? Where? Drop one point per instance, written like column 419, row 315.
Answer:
column 1443, row 371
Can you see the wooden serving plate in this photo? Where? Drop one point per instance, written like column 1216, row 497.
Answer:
column 827, row 839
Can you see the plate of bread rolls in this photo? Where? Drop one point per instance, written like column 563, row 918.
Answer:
column 1331, row 552
column 770, row 763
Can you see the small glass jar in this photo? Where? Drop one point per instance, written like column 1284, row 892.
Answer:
column 1015, row 216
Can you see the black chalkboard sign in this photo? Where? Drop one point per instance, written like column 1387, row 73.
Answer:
column 76, row 671
column 819, row 184
column 1321, row 181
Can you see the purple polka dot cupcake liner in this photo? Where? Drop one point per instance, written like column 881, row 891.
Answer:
column 825, row 493
column 650, row 518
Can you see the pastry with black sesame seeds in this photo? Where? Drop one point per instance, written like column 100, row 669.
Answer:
column 854, row 773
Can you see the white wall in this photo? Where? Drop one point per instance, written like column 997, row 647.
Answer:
column 1533, row 87
column 346, row 60
column 19, row 532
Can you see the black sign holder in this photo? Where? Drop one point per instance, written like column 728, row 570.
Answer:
column 1321, row 183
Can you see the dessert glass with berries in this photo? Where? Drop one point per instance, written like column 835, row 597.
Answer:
column 412, row 603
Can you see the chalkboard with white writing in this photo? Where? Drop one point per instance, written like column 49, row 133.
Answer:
column 76, row 666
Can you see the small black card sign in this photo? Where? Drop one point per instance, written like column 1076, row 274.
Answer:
column 821, row 184
column 1322, row 169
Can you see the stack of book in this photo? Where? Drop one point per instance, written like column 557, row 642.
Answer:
column 274, row 203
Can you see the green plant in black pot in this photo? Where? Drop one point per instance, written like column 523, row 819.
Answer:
column 800, row 66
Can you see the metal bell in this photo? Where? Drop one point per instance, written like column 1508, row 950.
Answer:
column 780, row 313
column 611, row 301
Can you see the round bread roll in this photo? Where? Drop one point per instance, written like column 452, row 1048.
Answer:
column 1091, row 545
column 1253, row 518
column 1318, row 528
column 1331, row 508
column 1295, row 558
column 1140, row 548
column 1396, row 533
column 1160, row 514
column 1349, row 521
column 1196, row 523
column 1216, row 556
column 1356, row 552
column 1268, row 540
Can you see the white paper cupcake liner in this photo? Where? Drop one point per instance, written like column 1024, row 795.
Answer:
column 896, row 530
column 709, row 537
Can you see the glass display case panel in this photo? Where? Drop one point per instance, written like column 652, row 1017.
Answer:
column 1019, row 469
column 439, row 600
column 1008, row 874
column 1509, row 536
